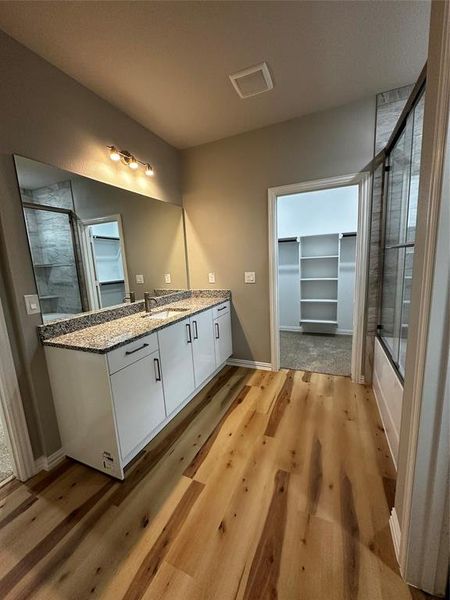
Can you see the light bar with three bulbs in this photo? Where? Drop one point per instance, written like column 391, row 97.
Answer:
column 129, row 160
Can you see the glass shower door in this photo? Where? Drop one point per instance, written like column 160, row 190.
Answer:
column 400, row 210
column 50, row 237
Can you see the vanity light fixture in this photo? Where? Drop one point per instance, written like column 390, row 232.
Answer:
column 130, row 160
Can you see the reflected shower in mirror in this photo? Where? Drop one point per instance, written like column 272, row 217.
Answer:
column 94, row 245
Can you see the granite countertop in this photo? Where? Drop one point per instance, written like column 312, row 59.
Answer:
column 118, row 332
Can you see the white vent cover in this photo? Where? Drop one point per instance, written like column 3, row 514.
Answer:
column 252, row 81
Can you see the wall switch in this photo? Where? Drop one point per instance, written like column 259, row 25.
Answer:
column 212, row 277
column 139, row 279
column 167, row 278
column 249, row 277
column 32, row 304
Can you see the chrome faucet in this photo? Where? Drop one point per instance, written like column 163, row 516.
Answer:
column 148, row 299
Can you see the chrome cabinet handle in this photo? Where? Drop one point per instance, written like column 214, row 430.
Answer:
column 127, row 352
column 194, row 323
column 157, row 369
column 217, row 331
column 189, row 339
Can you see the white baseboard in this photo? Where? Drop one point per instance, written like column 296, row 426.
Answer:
column 47, row 463
column 395, row 531
column 312, row 330
column 250, row 364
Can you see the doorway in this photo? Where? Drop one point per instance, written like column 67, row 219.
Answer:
column 318, row 240
column 104, row 261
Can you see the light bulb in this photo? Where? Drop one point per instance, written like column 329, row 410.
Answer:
column 114, row 153
column 149, row 170
column 133, row 164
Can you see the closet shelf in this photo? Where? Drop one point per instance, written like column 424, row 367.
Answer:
column 322, row 321
column 319, row 300
column 318, row 279
column 319, row 257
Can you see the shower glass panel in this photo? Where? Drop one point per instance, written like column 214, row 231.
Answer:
column 400, row 214
column 52, row 251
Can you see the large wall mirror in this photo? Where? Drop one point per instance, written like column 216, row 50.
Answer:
column 91, row 244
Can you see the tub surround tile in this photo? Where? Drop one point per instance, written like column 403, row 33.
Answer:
column 110, row 333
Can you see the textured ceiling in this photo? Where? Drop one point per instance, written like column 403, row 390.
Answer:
column 166, row 64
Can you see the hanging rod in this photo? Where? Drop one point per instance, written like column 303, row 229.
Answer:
column 289, row 239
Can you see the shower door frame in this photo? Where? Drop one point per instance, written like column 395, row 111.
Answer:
column 75, row 245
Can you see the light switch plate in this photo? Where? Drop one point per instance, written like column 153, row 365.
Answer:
column 32, row 304
column 139, row 279
column 167, row 278
column 212, row 277
column 249, row 277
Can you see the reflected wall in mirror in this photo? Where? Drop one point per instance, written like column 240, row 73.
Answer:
column 92, row 244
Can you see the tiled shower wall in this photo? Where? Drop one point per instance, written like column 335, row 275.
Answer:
column 52, row 249
column 389, row 107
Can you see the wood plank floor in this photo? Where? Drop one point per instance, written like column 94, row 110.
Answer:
column 270, row 485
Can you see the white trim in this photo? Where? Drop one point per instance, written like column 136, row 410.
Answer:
column 249, row 364
column 47, row 463
column 300, row 330
column 362, row 260
column 12, row 410
column 396, row 533
column 421, row 516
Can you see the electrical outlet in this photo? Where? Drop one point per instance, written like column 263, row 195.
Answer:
column 139, row 279
column 167, row 278
column 212, row 277
column 249, row 277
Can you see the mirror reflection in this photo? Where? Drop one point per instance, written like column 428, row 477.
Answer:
column 94, row 245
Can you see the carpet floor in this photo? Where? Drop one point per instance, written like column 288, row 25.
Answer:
column 319, row 353
column 5, row 460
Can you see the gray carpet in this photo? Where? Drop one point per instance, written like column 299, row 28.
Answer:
column 5, row 461
column 319, row 353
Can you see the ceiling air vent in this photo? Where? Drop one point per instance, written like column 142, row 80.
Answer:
column 252, row 81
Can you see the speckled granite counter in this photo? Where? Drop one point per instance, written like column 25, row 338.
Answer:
column 103, row 337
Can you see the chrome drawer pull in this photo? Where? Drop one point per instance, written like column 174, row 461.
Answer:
column 222, row 308
column 127, row 352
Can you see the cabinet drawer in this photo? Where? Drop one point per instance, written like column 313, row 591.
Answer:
column 221, row 309
column 127, row 355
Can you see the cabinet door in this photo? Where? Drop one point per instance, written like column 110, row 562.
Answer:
column 203, row 346
column 138, row 401
column 222, row 337
column 175, row 348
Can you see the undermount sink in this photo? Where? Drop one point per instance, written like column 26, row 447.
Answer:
column 165, row 314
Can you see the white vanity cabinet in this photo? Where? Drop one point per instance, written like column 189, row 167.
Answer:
column 175, row 347
column 203, row 348
column 222, row 333
column 138, row 401
column 109, row 405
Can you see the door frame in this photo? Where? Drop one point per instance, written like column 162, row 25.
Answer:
column 88, row 263
column 12, row 413
column 363, row 181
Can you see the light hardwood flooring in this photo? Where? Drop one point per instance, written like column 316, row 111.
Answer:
column 270, row 485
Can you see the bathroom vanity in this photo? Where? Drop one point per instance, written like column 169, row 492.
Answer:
column 116, row 384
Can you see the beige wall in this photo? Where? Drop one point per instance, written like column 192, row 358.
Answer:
column 225, row 197
column 153, row 232
column 49, row 117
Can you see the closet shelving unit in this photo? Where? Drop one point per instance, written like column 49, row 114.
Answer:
column 319, row 275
